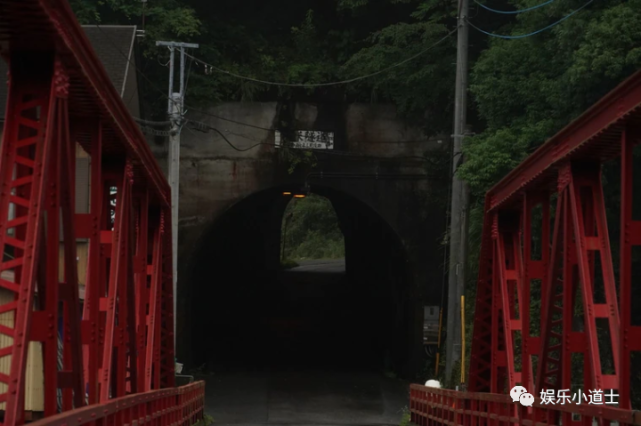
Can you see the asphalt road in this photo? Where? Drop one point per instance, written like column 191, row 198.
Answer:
column 332, row 266
column 305, row 398
column 306, row 373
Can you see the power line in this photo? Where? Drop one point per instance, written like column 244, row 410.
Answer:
column 206, row 113
column 240, row 123
column 144, row 124
column 204, row 128
column 507, row 37
column 152, row 123
column 161, row 91
column 191, row 62
column 333, row 83
column 155, row 132
column 513, row 12
column 143, row 75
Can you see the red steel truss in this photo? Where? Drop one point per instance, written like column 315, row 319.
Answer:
column 440, row 407
column 573, row 254
column 182, row 406
column 120, row 342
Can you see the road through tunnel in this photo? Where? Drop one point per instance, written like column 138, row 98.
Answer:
column 246, row 312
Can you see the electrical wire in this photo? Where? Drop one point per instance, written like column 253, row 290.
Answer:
column 333, row 83
column 152, row 123
column 138, row 70
column 191, row 62
column 155, row 132
column 206, row 113
column 162, row 93
column 506, row 37
column 204, row 130
column 513, row 12
column 229, row 120
column 205, row 126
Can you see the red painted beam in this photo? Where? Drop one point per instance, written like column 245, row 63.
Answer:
column 586, row 130
column 181, row 406
column 84, row 58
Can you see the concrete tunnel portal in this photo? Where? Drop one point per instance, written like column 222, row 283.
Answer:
column 243, row 312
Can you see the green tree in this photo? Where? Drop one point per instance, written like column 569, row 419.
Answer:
column 526, row 90
column 164, row 20
column 299, row 41
column 312, row 230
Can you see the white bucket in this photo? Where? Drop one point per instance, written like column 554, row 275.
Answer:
column 179, row 368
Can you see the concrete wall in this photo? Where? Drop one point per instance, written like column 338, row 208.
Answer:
column 369, row 140
column 214, row 175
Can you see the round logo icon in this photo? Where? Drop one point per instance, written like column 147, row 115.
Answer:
column 516, row 392
column 526, row 399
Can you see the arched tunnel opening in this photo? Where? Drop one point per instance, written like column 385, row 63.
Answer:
column 246, row 312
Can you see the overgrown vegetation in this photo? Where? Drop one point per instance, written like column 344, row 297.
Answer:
column 311, row 231
column 297, row 41
column 288, row 264
column 527, row 90
column 407, row 417
column 207, row 420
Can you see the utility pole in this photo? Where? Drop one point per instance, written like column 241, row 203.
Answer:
column 460, row 202
column 175, row 110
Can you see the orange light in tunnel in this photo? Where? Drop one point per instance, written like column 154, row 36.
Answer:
column 287, row 193
column 299, row 196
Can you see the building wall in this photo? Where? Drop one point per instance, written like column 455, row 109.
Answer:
column 34, row 392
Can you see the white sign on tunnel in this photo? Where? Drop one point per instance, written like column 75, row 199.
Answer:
column 309, row 139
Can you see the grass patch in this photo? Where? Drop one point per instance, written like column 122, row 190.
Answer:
column 406, row 419
column 207, row 420
column 288, row 264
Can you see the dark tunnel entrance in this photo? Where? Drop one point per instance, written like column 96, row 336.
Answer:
column 245, row 312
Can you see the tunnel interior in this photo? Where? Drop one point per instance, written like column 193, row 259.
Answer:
column 246, row 312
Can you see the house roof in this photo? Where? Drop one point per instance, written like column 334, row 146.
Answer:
column 114, row 45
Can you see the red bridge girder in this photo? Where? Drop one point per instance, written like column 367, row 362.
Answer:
column 567, row 168
column 123, row 340
column 440, row 407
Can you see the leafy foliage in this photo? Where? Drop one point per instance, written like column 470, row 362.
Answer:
column 299, row 41
column 312, row 230
column 164, row 20
column 409, row 86
column 528, row 89
column 406, row 419
column 288, row 264
column 296, row 157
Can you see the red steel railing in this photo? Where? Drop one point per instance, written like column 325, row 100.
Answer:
column 181, row 406
column 432, row 407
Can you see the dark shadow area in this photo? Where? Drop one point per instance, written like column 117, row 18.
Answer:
column 246, row 313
